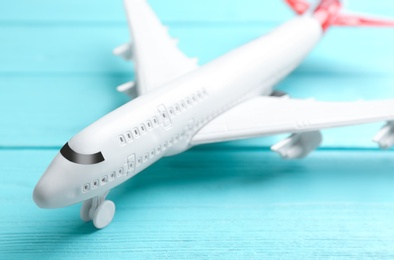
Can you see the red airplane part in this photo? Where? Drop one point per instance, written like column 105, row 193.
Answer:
column 328, row 13
column 361, row 20
column 299, row 6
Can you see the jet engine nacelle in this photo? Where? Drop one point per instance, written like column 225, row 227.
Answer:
column 385, row 137
column 298, row 145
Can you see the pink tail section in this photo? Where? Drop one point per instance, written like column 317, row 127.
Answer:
column 299, row 6
column 358, row 20
column 328, row 13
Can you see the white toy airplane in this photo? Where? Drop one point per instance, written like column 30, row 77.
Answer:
column 178, row 105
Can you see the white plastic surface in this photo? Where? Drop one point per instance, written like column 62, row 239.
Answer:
column 271, row 115
column 128, row 88
column 156, row 55
column 124, row 51
column 189, row 103
column 85, row 210
column 104, row 214
column 298, row 145
column 385, row 137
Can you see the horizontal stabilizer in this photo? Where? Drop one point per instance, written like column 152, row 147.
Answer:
column 329, row 13
column 344, row 19
column 298, row 6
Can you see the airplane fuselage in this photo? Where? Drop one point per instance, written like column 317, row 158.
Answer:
column 163, row 122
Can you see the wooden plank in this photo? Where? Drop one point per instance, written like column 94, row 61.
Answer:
column 170, row 11
column 217, row 203
column 87, row 49
column 173, row 11
column 48, row 110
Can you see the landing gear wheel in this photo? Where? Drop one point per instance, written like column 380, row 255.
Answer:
column 104, row 214
column 84, row 213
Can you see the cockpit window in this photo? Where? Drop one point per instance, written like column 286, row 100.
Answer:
column 75, row 157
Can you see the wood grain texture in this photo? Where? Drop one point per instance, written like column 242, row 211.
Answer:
column 205, row 11
column 213, row 203
column 233, row 200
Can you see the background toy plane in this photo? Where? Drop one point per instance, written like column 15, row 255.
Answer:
column 178, row 104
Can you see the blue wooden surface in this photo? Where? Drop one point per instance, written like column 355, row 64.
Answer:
column 232, row 200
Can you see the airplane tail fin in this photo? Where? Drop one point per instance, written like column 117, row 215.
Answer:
column 329, row 13
column 298, row 6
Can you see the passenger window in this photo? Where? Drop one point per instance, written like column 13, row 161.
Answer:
column 136, row 132
column 188, row 101
column 122, row 140
column 131, row 162
column 112, row 175
column 131, row 166
column 104, row 179
column 120, row 171
column 139, row 161
column 86, row 187
column 177, row 108
column 129, row 137
column 194, row 98
column 149, row 125
column 183, row 105
column 155, row 121
column 199, row 94
column 165, row 117
column 152, row 153
column 143, row 128
column 95, row 184
column 146, row 157
column 159, row 149
column 171, row 111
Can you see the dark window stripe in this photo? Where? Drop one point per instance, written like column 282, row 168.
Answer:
column 75, row 157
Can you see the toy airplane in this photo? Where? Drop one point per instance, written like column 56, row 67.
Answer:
column 178, row 105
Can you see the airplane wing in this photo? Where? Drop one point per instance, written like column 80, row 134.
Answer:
column 155, row 54
column 274, row 115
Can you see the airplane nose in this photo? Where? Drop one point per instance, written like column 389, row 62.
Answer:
column 39, row 197
column 56, row 188
column 43, row 194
